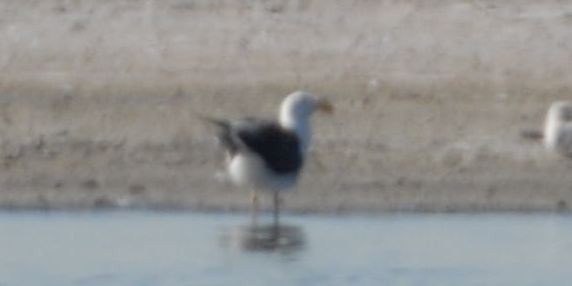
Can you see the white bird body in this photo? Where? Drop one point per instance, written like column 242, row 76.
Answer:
column 248, row 170
column 558, row 128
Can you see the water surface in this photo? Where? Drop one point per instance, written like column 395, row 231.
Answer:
column 148, row 248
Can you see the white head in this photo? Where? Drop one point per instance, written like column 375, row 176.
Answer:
column 296, row 110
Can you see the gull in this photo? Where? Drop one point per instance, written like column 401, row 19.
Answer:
column 268, row 155
column 558, row 128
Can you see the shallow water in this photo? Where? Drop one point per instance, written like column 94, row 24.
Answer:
column 140, row 248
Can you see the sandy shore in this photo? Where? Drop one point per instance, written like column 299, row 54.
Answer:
column 98, row 101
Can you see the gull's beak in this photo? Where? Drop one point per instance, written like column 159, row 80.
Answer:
column 325, row 106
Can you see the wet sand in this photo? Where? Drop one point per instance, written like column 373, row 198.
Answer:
column 98, row 101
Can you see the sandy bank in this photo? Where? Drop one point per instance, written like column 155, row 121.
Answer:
column 97, row 100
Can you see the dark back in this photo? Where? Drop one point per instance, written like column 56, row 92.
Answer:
column 279, row 148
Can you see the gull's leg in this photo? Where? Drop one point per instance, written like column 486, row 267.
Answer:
column 254, row 207
column 276, row 209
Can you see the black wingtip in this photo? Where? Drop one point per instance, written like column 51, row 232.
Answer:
column 224, row 135
column 213, row 121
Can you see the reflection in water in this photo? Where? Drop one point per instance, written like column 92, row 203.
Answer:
column 281, row 238
column 178, row 249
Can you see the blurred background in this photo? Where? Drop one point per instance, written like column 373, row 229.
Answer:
column 428, row 170
column 98, row 101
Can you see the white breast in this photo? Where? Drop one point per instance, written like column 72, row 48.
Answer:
column 248, row 170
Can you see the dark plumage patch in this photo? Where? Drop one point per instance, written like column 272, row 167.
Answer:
column 279, row 148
